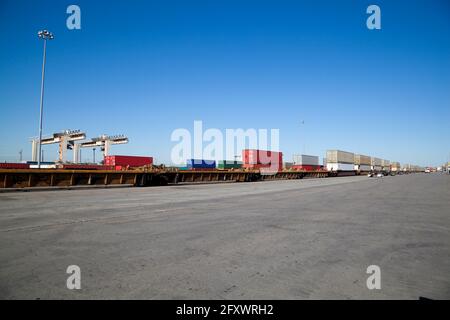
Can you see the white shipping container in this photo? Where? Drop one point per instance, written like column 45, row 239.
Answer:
column 303, row 159
column 362, row 167
column 340, row 167
column 43, row 166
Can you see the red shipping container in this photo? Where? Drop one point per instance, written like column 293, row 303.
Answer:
column 131, row 161
column 257, row 159
column 7, row 165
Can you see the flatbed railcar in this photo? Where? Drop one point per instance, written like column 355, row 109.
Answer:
column 65, row 178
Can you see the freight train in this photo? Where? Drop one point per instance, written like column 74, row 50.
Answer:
column 336, row 163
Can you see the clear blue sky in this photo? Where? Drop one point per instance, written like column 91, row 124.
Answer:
column 145, row 68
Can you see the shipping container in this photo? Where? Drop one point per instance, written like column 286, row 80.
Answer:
column 362, row 167
column 303, row 159
column 10, row 165
column 258, row 159
column 340, row 166
column 43, row 166
column 229, row 164
column 200, row 164
column 130, row 161
column 362, row 159
column 338, row 156
column 395, row 166
column 375, row 161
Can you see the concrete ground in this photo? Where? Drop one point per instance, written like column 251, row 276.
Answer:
column 298, row 239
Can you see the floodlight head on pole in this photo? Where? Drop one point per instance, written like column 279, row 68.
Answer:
column 45, row 34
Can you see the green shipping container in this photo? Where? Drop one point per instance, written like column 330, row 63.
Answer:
column 229, row 164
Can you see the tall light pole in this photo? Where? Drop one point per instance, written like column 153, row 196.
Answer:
column 44, row 35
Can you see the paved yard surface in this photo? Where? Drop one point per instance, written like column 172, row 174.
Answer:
column 302, row 239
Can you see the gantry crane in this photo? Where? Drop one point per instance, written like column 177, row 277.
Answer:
column 104, row 142
column 65, row 138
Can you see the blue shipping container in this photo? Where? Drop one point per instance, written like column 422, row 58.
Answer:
column 198, row 163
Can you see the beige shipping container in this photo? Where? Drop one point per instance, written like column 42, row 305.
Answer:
column 395, row 165
column 338, row 156
column 361, row 159
column 375, row 161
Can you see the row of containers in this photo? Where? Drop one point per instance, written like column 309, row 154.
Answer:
column 252, row 159
column 337, row 160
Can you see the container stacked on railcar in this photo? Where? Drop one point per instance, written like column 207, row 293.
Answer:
column 375, row 164
column 395, row 168
column 200, row 164
column 362, row 163
column 11, row 165
column 306, row 162
column 340, row 162
column 385, row 166
column 229, row 164
column 119, row 162
column 263, row 160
